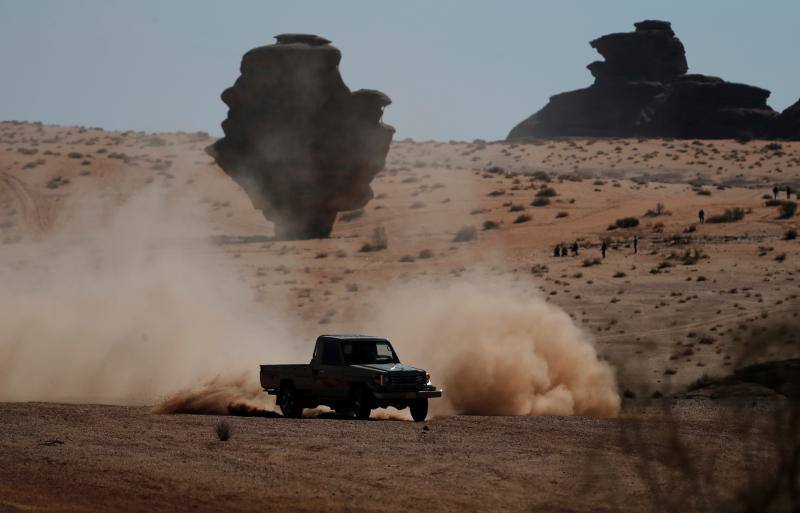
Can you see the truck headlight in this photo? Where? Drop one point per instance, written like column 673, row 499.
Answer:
column 428, row 378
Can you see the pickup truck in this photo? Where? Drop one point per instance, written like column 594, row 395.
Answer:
column 351, row 374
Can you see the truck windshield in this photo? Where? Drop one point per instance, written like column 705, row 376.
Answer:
column 360, row 352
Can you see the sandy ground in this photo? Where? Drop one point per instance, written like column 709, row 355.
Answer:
column 59, row 457
column 663, row 317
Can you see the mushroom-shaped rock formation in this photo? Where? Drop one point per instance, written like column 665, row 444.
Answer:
column 297, row 140
column 642, row 89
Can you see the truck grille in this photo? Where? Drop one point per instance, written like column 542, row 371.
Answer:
column 406, row 378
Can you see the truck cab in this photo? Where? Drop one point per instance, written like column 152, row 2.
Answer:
column 351, row 374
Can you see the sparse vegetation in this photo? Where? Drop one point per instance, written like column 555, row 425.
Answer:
column 660, row 210
column 540, row 202
column 787, row 210
column 378, row 242
column 625, row 222
column 490, row 225
column 223, row 431
column 731, row 215
column 546, row 192
column 790, row 234
column 465, row 234
column 522, row 218
column 590, row 262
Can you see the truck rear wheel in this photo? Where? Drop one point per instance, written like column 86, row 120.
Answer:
column 290, row 402
column 419, row 409
column 360, row 404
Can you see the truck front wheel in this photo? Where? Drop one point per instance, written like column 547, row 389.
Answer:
column 360, row 403
column 419, row 409
column 290, row 402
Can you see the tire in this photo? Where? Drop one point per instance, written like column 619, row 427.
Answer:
column 290, row 402
column 419, row 409
column 360, row 405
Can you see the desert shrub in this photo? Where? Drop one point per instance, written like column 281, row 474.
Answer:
column 540, row 202
column 425, row 253
column 522, row 218
column 546, row 192
column 589, row 262
column 417, row 204
column 490, row 225
column 378, row 242
column 791, row 234
column 539, row 269
column 780, row 257
column 625, row 222
column 731, row 215
column 562, row 214
column 772, row 202
column 619, row 274
column 787, row 210
column 541, row 175
column 516, row 208
column 701, row 382
column 744, row 137
column 660, row 210
column 465, row 233
column 223, row 430
column 703, row 192
column 352, row 215
column 406, row 258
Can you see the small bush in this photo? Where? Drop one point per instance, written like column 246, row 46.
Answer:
column 791, row 234
column 546, row 192
column 516, row 208
column 379, row 241
column 660, row 210
column 731, row 215
column 589, row 262
column 223, row 430
column 522, row 218
column 625, row 222
column 406, row 258
column 465, row 234
column 703, row 192
column 787, row 210
column 425, row 253
column 490, row 225
column 772, row 202
column 562, row 214
column 540, row 202
column 619, row 274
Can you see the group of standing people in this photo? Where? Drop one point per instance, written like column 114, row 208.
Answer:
column 561, row 250
column 776, row 190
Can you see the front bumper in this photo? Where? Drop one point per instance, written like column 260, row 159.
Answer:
column 390, row 395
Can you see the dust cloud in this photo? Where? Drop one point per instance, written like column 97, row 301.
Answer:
column 146, row 310
column 497, row 350
column 144, row 306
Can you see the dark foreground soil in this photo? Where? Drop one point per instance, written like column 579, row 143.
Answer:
column 57, row 457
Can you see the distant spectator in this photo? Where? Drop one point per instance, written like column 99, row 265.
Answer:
column 603, row 248
column 575, row 248
column 564, row 251
column 557, row 250
column 635, row 244
column 775, row 191
column 702, row 216
column 788, row 192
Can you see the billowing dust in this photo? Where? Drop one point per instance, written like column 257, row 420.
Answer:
column 497, row 350
column 149, row 311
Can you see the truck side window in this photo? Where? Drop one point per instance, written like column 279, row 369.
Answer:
column 330, row 354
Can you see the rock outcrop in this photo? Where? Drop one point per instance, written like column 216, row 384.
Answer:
column 297, row 140
column 642, row 89
column 787, row 126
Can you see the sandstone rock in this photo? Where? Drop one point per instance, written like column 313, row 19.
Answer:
column 297, row 140
column 642, row 89
column 787, row 125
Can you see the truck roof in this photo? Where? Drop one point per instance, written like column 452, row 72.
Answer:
column 350, row 337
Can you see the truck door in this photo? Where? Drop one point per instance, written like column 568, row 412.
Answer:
column 328, row 372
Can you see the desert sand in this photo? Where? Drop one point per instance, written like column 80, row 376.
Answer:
column 677, row 310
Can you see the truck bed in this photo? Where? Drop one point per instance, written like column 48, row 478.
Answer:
column 271, row 375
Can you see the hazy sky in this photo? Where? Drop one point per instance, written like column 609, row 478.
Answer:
column 455, row 69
